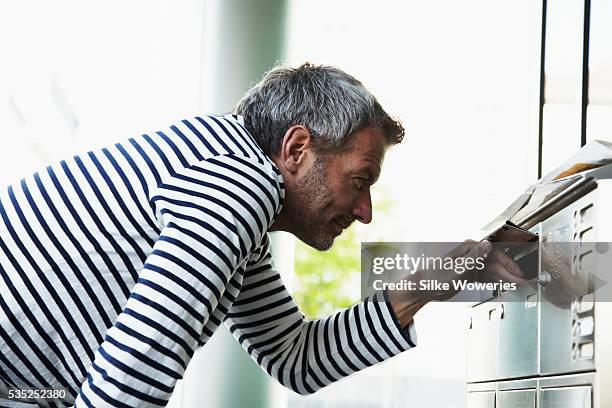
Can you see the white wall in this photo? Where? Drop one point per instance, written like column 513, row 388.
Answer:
column 77, row 74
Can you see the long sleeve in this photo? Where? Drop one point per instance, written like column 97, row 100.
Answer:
column 212, row 220
column 308, row 355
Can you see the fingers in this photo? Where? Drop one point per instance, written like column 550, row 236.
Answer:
column 506, row 262
column 475, row 254
column 501, row 267
column 481, row 250
column 462, row 249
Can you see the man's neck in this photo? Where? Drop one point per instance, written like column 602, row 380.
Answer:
column 277, row 225
column 280, row 222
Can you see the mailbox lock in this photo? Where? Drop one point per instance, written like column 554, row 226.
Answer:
column 544, row 278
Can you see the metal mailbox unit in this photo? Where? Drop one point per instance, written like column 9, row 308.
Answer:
column 528, row 349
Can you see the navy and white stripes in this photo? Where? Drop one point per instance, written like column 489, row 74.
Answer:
column 117, row 264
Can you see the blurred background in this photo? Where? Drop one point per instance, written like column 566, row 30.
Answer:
column 464, row 78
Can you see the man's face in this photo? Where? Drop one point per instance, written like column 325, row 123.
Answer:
column 335, row 191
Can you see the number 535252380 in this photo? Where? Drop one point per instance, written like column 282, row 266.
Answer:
column 43, row 393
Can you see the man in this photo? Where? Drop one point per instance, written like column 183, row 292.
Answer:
column 117, row 264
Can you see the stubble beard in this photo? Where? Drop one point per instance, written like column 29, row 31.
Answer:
column 313, row 195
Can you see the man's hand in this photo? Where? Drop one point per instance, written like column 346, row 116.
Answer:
column 500, row 266
column 406, row 303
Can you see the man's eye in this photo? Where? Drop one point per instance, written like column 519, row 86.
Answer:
column 358, row 183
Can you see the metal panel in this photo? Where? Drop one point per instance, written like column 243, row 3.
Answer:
column 482, row 341
column 570, row 380
column 569, row 397
column 518, row 332
column 517, row 399
column 558, row 346
column 481, row 399
column 516, row 385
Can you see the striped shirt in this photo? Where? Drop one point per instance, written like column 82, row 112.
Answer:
column 117, row 264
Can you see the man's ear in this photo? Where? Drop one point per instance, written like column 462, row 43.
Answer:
column 296, row 149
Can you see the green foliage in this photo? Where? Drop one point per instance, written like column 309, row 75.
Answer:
column 321, row 276
column 329, row 281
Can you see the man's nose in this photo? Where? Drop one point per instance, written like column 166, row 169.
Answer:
column 362, row 210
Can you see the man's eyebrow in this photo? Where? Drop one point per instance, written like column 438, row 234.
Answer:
column 364, row 172
column 370, row 174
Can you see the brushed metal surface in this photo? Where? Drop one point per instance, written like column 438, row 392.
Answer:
column 518, row 333
column 517, row 399
column 569, row 397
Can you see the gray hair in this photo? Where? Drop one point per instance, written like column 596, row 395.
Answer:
column 332, row 104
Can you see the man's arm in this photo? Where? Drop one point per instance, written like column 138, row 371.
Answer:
column 211, row 224
column 308, row 355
